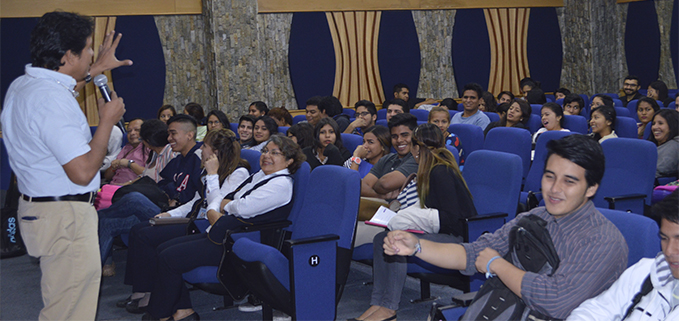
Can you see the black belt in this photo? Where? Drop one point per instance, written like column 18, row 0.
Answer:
column 87, row 197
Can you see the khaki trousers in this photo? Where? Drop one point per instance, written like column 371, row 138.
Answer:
column 64, row 236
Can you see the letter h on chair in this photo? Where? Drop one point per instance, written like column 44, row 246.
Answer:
column 306, row 279
column 495, row 190
column 215, row 279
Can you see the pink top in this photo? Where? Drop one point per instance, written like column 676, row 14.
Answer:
column 124, row 174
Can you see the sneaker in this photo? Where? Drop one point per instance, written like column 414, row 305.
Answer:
column 249, row 307
column 280, row 316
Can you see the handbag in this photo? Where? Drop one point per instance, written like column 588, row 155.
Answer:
column 12, row 245
column 148, row 187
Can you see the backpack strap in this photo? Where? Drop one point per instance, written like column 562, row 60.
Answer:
column 646, row 288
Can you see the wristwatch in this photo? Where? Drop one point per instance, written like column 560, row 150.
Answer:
column 88, row 78
column 356, row 160
column 129, row 163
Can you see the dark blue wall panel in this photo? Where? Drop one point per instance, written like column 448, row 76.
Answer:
column 544, row 47
column 142, row 85
column 15, row 49
column 674, row 39
column 471, row 48
column 642, row 41
column 311, row 56
column 398, row 52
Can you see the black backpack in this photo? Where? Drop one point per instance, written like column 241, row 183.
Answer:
column 11, row 244
column 530, row 249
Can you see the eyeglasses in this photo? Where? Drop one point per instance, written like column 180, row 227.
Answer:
column 274, row 152
column 363, row 114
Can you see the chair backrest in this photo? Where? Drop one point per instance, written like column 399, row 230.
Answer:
column 460, row 107
column 560, row 101
column 621, row 111
column 455, row 153
column 299, row 191
column 492, row 116
column 534, row 179
column 647, row 132
column 298, row 118
column 234, row 129
column 452, row 113
column 630, row 169
column 640, row 232
column 612, row 95
column 672, row 105
column 617, row 102
column 351, row 141
column 382, row 113
column 252, row 156
column 586, row 107
column 283, row 130
column 535, row 109
column 534, row 123
column 349, row 111
column 550, row 98
column 513, row 140
column 382, row 122
column 626, row 127
column 494, row 179
column 575, row 123
column 421, row 114
column 471, row 136
column 330, row 205
column 632, row 107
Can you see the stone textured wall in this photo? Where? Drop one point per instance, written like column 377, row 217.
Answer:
column 435, row 33
column 666, row 73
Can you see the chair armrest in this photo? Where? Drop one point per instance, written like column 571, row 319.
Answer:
column 481, row 224
column 485, row 217
column 266, row 226
column 612, row 199
column 309, row 240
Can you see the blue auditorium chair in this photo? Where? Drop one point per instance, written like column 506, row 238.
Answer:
column 576, row 123
column 460, row 107
column 612, row 95
column 471, row 137
column 622, row 111
column 234, row 129
column 492, row 116
column 382, row 114
column 672, row 105
column 534, row 123
column 298, row 118
column 647, row 132
column 452, row 113
column 628, row 180
column 617, row 102
column 517, row 141
column 306, row 279
column 382, row 122
column 560, row 102
column 626, row 127
column 283, row 130
column 536, row 109
column 351, row 141
column 349, row 111
column 421, row 114
column 252, row 156
column 455, row 153
column 632, row 107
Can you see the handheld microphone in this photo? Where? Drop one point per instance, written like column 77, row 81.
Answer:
column 101, row 81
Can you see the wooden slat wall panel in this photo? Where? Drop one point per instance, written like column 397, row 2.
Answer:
column 272, row 6
column 508, row 33
column 354, row 35
column 36, row 8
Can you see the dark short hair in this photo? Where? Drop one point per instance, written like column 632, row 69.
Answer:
column 574, row 98
column 261, row 106
column 509, row 93
column 668, row 208
column 55, row 34
column 196, row 111
column 475, row 87
column 166, row 107
column 536, row 96
column 221, row 116
column 183, row 119
column 269, row 123
column 368, row 105
column 331, row 105
column 247, row 118
column 672, row 118
column 281, row 113
column 314, row 101
column 399, row 86
column 304, row 133
column 650, row 101
column 400, row 102
column 317, row 132
column 632, row 77
column 563, row 91
column 527, row 81
column 606, row 99
column 290, row 150
column 405, row 119
column 154, row 132
column 449, row 103
column 558, row 111
column 584, row 152
column 504, row 107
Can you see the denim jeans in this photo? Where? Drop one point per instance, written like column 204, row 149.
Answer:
column 120, row 217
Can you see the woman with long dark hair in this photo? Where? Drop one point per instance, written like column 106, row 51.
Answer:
column 327, row 148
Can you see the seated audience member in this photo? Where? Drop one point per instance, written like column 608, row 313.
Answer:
column 327, row 148
column 258, row 109
column 281, row 116
column 302, row 134
column 590, row 248
column 390, row 172
column 376, row 143
column 441, row 118
column 602, row 121
column 115, row 145
column 487, row 102
column 646, row 108
column 504, row 97
column 166, row 112
column 665, row 135
column 552, row 119
column 561, row 93
column 265, row 127
column 573, row 104
column 246, row 123
column 439, row 195
column 449, row 104
column 196, row 111
column 630, row 89
column 395, row 106
column 313, row 115
column 676, row 101
column 216, row 119
column 402, row 92
column 366, row 115
column 517, row 115
column 131, row 160
column 471, row 95
column 658, row 91
column 153, row 135
column 527, row 84
column 599, row 100
column 536, row 97
column 626, row 299
column 264, row 197
column 331, row 107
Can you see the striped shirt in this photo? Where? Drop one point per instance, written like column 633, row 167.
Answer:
column 592, row 251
